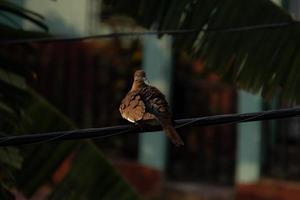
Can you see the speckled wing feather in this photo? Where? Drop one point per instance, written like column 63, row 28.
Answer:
column 156, row 104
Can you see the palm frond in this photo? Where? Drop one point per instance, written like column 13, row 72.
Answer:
column 35, row 18
column 261, row 60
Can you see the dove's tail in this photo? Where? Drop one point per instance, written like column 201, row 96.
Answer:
column 171, row 132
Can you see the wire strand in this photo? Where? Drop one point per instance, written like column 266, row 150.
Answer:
column 251, row 118
column 130, row 129
column 143, row 33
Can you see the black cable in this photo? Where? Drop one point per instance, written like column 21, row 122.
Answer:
column 126, row 129
column 142, row 33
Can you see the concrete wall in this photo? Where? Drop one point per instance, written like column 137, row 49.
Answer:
column 294, row 8
column 64, row 17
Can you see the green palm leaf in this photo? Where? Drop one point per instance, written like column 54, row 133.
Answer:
column 261, row 60
column 35, row 18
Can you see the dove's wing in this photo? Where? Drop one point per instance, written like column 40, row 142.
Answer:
column 156, row 104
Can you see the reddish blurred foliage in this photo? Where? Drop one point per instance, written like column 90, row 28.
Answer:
column 269, row 190
column 147, row 181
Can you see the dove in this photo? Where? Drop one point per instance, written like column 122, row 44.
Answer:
column 144, row 102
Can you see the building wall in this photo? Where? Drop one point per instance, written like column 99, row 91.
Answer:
column 294, row 8
column 64, row 17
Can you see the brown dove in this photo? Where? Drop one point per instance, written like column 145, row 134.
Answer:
column 145, row 102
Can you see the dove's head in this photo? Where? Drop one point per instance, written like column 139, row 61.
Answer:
column 139, row 80
column 139, row 75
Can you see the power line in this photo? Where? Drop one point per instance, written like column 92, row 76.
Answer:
column 143, row 33
column 126, row 129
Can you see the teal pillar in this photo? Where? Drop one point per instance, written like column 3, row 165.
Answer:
column 157, row 65
column 248, row 162
column 278, row 2
column 249, row 138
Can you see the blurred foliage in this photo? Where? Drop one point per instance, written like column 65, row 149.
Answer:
column 73, row 169
column 265, row 60
column 28, row 169
column 13, row 90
